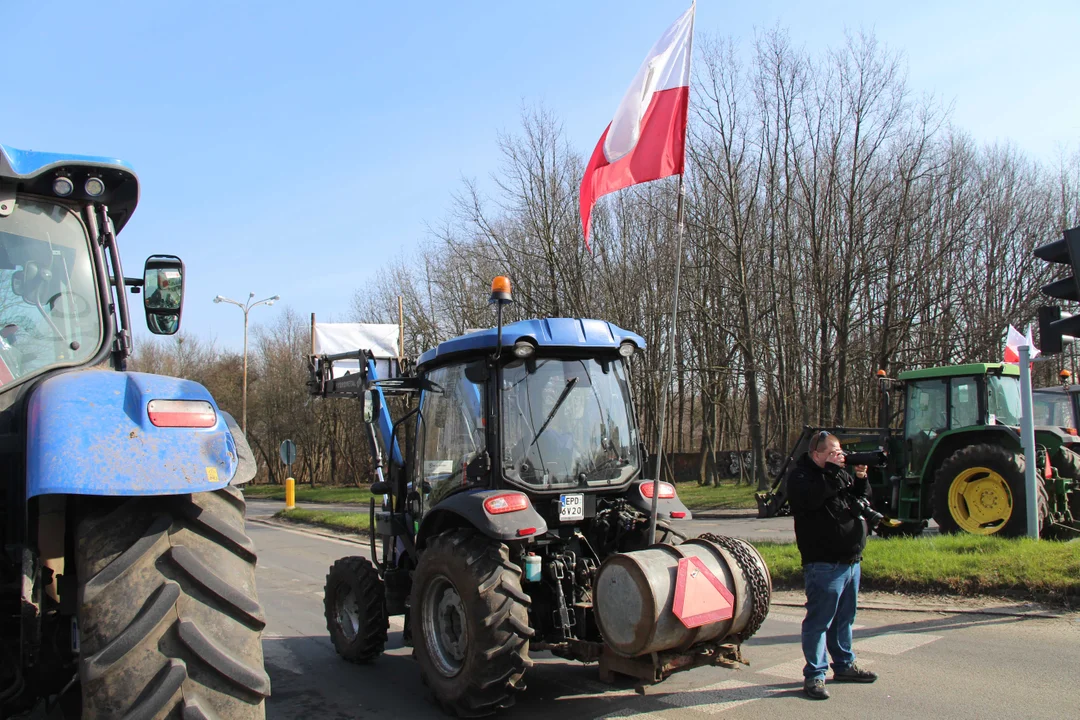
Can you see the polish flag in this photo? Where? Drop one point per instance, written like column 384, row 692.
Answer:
column 646, row 139
column 1014, row 340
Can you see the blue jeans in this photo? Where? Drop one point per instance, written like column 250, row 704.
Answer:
column 832, row 592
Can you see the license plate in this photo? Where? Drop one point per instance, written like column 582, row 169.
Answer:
column 571, row 507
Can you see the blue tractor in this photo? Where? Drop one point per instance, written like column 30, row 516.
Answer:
column 126, row 577
column 517, row 516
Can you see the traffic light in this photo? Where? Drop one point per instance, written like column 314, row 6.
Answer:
column 1052, row 340
column 1055, row 327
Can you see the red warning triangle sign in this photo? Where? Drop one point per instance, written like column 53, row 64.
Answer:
column 700, row 598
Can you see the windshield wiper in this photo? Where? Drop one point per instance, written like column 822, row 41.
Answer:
column 555, row 408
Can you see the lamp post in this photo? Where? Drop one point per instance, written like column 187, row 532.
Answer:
column 246, row 307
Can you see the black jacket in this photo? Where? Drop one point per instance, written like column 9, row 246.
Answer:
column 826, row 528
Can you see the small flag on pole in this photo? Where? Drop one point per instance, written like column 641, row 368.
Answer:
column 1013, row 340
column 647, row 137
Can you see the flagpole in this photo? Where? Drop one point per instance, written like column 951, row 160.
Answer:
column 679, row 224
column 679, row 227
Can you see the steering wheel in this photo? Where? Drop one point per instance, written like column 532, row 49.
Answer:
column 78, row 305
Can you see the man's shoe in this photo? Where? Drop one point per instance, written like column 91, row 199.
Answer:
column 815, row 689
column 854, row 674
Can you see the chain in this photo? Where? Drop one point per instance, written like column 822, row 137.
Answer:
column 757, row 578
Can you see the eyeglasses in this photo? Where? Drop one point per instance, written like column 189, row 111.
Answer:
column 818, row 439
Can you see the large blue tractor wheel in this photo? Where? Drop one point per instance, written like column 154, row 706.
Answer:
column 169, row 622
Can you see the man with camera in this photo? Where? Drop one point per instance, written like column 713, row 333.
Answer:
column 829, row 506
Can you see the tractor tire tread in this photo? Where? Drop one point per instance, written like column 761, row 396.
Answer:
column 499, row 629
column 367, row 586
column 169, row 619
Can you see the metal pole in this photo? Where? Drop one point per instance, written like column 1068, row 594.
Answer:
column 671, row 361
column 243, row 417
column 1027, row 439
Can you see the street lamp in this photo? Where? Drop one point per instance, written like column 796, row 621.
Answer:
column 246, row 307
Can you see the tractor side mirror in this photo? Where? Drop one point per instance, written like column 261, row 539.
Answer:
column 371, row 406
column 163, row 293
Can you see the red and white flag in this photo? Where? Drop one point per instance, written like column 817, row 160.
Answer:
column 1014, row 340
column 647, row 137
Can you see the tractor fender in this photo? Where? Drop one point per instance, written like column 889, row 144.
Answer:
column 666, row 508
column 466, row 509
column 88, row 433
column 949, row 442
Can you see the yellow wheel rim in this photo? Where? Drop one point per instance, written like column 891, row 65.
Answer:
column 980, row 501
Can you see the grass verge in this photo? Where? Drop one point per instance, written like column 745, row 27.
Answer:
column 725, row 497
column 351, row 522
column 953, row 564
column 305, row 493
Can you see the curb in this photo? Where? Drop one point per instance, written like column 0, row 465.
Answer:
column 947, row 610
column 309, row 530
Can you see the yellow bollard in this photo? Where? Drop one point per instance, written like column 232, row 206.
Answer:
column 290, row 494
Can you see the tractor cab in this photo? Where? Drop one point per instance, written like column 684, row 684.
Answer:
column 945, row 399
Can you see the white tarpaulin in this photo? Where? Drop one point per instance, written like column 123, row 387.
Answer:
column 380, row 339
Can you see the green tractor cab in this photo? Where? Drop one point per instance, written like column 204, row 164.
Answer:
column 951, row 451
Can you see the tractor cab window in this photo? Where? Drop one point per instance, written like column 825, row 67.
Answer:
column 567, row 423
column 926, row 417
column 1053, row 408
column 1003, row 399
column 963, row 402
column 451, row 429
column 49, row 310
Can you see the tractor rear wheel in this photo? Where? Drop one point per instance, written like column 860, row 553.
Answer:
column 355, row 606
column 470, row 623
column 980, row 489
column 169, row 622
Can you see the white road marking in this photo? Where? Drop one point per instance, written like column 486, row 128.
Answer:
column 793, row 669
column 894, row 643
column 628, row 713
column 717, row 698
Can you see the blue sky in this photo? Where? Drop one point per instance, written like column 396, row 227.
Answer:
column 295, row 149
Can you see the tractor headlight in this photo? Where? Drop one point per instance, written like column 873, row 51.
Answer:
column 524, row 349
column 94, row 187
column 626, row 349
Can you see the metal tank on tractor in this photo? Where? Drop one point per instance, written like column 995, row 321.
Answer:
column 126, row 577
column 514, row 518
column 950, row 450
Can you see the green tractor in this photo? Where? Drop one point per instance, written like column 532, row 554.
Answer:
column 956, row 456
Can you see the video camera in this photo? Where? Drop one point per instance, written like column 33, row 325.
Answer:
column 871, row 458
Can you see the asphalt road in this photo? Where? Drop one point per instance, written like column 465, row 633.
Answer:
column 931, row 664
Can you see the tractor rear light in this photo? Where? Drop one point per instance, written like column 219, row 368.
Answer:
column 678, row 514
column 667, row 490
column 181, row 413
column 525, row 532
column 1048, row 472
column 1071, row 431
column 509, row 502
